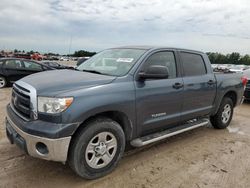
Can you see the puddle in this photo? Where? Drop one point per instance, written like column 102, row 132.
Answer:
column 235, row 130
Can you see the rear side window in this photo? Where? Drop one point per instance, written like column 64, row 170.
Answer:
column 13, row 64
column 53, row 64
column 193, row 64
column 32, row 66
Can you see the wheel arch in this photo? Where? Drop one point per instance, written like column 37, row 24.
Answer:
column 3, row 76
column 120, row 117
column 232, row 95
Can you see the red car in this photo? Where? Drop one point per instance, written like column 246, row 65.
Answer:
column 37, row 56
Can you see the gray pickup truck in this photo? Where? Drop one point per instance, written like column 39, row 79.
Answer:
column 133, row 95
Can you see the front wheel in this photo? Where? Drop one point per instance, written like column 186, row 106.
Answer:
column 96, row 149
column 224, row 115
column 3, row 82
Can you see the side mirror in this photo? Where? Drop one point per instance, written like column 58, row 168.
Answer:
column 155, row 72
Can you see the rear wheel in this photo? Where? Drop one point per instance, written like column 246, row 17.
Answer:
column 96, row 149
column 224, row 115
column 3, row 82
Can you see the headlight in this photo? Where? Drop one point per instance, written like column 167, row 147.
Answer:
column 53, row 105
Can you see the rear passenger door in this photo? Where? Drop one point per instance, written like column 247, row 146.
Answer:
column 199, row 86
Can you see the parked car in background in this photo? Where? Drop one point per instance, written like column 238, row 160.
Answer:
column 246, row 73
column 64, row 58
column 37, row 57
column 50, row 58
column 22, row 55
column 13, row 69
column 236, row 69
column 81, row 60
column 56, row 65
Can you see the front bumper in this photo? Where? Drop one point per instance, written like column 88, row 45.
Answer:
column 48, row 147
column 57, row 149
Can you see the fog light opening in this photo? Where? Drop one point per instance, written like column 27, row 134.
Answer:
column 42, row 148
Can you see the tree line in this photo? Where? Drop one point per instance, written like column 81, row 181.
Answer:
column 80, row 53
column 233, row 58
column 83, row 53
column 215, row 57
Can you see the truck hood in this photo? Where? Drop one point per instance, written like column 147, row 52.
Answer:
column 52, row 83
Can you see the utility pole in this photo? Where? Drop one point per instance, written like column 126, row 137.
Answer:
column 70, row 43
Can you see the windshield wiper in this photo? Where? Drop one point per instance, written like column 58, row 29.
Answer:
column 96, row 72
column 92, row 71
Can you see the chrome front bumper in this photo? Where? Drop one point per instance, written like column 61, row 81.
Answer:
column 57, row 148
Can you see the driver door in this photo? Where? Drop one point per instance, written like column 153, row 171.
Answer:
column 159, row 101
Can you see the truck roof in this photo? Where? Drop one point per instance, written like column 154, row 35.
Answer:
column 148, row 47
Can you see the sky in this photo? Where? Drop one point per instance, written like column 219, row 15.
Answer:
column 64, row 26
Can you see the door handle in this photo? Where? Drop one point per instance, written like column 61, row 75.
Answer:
column 211, row 82
column 177, row 85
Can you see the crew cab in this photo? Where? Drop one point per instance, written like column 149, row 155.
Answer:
column 13, row 69
column 133, row 95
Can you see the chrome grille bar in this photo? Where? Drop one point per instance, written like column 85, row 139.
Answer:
column 24, row 87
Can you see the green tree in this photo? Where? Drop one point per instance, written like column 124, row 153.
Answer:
column 212, row 57
column 221, row 59
column 245, row 60
column 234, row 58
column 30, row 52
column 83, row 53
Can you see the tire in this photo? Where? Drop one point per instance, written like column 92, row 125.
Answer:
column 3, row 82
column 91, row 154
column 223, row 117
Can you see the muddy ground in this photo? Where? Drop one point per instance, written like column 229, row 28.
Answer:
column 204, row 157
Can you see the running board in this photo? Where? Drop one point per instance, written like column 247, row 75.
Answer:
column 139, row 142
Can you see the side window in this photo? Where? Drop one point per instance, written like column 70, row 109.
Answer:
column 32, row 66
column 193, row 64
column 53, row 64
column 45, row 68
column 14, row 64
column 164, row 59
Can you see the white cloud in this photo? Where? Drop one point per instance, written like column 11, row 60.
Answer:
column 97, row 24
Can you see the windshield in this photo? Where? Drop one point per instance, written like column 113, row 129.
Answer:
column 114, row 62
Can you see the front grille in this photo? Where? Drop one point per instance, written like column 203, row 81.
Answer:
column 20, row 102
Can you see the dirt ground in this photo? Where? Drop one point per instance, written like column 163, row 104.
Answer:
column 204, row 157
